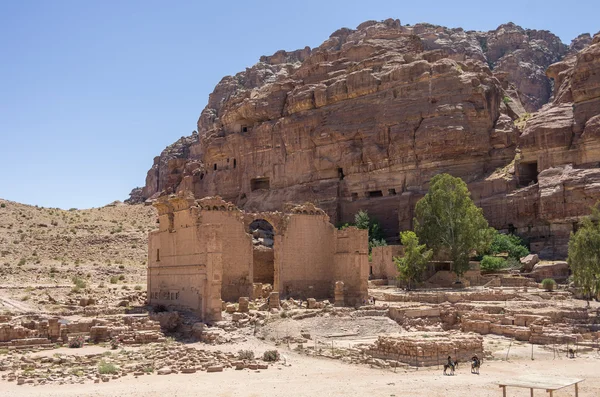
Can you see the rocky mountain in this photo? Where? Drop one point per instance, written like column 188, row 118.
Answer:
column 367, row 118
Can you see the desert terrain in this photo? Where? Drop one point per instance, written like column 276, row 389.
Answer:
column 323, row 350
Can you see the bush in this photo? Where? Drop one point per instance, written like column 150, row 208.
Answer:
column 114, row 279
column 506, row 100
column 509, row 244
column 79, row 282
column 548, row 284
column 105, row 368
column 137, row 288
column 2, row 205
column 492, row 263
column 271, row 356
column 76, row 342
column 246, row 355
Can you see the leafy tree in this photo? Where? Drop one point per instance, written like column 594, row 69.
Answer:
column 492, row 263
column 448, row 221
column 416, row 256
column 510, row 244
column 363, row 221
column 584, row 254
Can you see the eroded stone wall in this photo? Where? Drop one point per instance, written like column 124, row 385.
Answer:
column 203, row 252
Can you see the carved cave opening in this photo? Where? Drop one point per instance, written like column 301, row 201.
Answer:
column 263, row 242
column 375, row 193
column 259, row 183
column 528, row 173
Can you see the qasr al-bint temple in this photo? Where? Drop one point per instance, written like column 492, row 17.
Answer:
column 203, row 253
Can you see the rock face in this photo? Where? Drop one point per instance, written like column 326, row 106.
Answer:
column 367, row 118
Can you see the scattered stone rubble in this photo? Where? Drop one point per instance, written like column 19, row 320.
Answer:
column 45, row 332
column 160, row 359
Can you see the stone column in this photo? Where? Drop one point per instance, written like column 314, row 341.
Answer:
column 214, row 272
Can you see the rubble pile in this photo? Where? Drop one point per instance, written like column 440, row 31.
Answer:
column 161, row 359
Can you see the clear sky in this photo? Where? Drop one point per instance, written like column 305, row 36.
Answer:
column 91, row 91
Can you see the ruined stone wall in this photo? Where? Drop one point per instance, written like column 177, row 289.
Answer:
column 304, row 257
column 203, row 253
column 427, row 350
column 185, row 261
column 237, row 254
column 263, row 268
column 382, row 261
column 352, row 264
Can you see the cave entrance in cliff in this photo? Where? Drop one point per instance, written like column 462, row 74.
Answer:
column 263, row 254
column 528, row 173
column 260, row 183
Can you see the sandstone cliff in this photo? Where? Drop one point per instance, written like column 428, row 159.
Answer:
column 367, row 118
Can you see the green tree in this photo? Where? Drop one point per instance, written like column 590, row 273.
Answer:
column 448, row 221
column 363, row 221
column 584, row 254
column 510, row 244
column 416, row 256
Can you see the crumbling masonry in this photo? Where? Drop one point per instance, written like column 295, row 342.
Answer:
column 202, row 254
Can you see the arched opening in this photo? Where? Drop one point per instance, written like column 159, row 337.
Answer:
column 234, row 163
column 263, row 255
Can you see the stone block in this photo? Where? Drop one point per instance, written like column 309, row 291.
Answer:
column 243, row 305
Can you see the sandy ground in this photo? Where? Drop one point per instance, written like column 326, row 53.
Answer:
column 308, row 376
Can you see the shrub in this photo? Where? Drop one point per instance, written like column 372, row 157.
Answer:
column 246, row 355
column 492, row 263
column 21, row 262
column 105, row 368
column 76, row 342
column 137, row 288
column 271, row 356
column 548, row 284
column 2, row 205
column 114, row 279
column 509, row 244
column 79, row 282
column 506, row 100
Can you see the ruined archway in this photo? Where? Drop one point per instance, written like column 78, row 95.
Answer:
column 263, row 242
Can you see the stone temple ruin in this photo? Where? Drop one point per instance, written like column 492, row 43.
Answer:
column 207, row 251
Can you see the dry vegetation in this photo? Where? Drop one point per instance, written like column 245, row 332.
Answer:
column 48, row 254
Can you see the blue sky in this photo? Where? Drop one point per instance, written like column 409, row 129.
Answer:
column 91, row 91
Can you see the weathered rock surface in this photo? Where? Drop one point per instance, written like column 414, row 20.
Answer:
column 367, row 118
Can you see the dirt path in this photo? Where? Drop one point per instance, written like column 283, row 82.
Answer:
column 310, row 377
column 15, row 306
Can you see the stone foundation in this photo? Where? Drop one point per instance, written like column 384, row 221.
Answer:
column 427, row 349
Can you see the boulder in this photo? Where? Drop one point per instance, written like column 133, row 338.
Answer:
column 559, row 271
column 529, row 262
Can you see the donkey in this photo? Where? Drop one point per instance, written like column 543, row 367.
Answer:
column 451, row 365
column 475, row 365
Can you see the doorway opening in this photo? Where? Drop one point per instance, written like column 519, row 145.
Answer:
column 263, row 254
